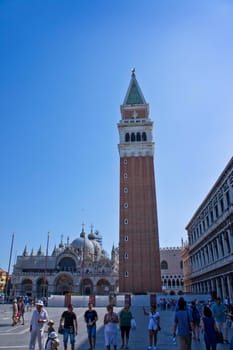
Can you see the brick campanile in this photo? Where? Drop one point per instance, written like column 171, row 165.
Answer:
column 139, row 256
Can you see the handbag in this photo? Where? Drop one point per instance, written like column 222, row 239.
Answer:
column 133, row 324
column 60, row 330
column 219, row 337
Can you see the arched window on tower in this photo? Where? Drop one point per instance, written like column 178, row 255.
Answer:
column 127, row 137
column 133, row 137
column 164, row 265
column 144, row 136
column 138, row 136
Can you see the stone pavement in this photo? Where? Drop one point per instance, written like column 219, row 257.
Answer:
column 17, row 337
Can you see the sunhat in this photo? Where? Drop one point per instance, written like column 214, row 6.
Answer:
column 53, row 335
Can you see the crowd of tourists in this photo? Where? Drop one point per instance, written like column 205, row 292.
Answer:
column 213, row 320
column 193, row 322
column 43, row 330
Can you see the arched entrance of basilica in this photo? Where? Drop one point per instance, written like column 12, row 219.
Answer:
column 26, row 287
column 103, row 286
column 42, row 288
column 64, row 284
column 86, row 287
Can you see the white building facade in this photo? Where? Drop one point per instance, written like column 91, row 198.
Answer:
column 208, row 254
column 171, row 266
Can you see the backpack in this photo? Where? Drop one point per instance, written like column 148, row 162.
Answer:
column 195, row 314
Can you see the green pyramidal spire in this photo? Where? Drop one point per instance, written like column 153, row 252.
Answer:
column 134, row 95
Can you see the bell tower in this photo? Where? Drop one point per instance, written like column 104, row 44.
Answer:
column 139, row 256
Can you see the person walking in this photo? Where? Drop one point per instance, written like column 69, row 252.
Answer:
column 91, row 317
column 37, row 326
column 196, row 320
column 219, row 311
column 110, row 328
column 21, row 310
column 125, row 318
column 14, row 312
column 209, row 328
column 153, row 326
column 70, row 329
column 183, row 324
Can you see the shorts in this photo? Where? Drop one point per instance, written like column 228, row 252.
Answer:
column 66, row 335
column 152, row 326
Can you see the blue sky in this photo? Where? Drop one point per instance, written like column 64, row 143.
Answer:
column 65, row 67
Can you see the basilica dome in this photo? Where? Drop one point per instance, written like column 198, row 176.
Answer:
column 97, row 247
column 83, row 243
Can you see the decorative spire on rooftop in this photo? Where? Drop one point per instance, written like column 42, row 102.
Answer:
column 61, row 245
column 54, row 250
column 91, row 234
column 40, row 253
column 83, row 234
column 134, row 95
column 25, row 252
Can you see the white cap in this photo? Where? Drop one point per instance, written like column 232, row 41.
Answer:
column 40, row 302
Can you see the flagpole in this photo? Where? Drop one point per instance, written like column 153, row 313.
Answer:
column 9, row 265
column 46, row 266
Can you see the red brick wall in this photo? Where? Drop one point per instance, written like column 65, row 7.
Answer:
column 142, row 247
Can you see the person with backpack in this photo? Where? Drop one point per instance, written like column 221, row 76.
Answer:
column 196, row 320
column 183, row 324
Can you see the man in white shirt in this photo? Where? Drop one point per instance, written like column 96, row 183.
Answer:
column 37, row 326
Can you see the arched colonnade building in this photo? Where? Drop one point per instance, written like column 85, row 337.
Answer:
column 207, row 256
